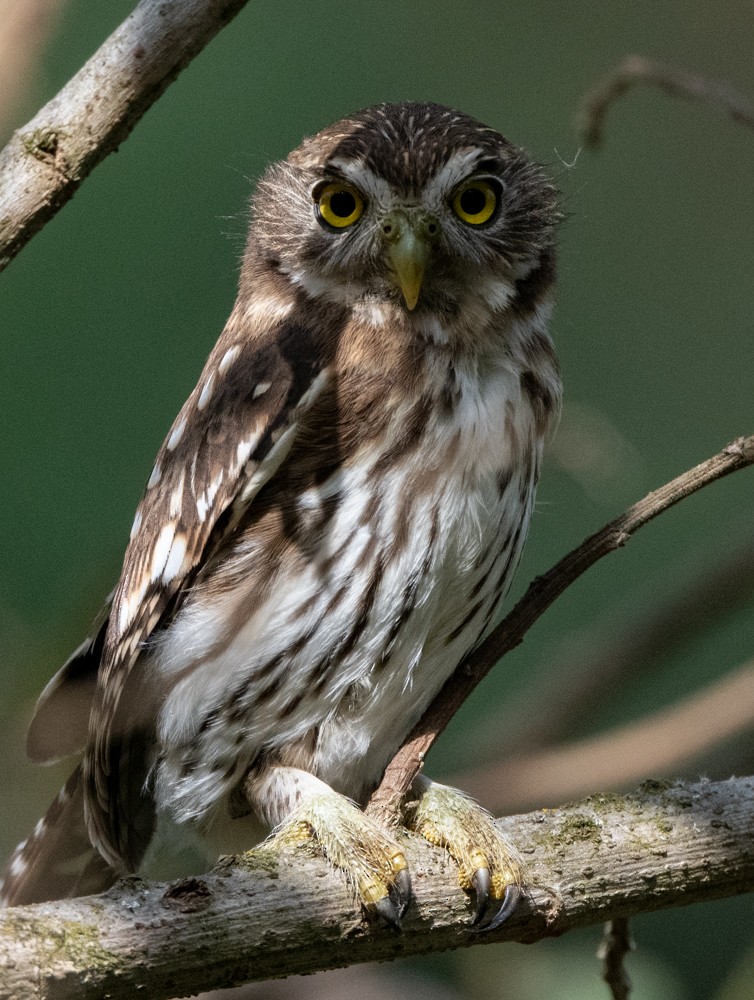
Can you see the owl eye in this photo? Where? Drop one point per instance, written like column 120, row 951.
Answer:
column 339, row 205
column 475, row 202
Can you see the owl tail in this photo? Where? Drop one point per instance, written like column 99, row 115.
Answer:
column 58, row 859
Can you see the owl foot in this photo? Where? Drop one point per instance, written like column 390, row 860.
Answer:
column 371, row 859
column 488, row 867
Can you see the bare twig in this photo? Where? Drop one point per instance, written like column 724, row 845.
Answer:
column 385, row 803
column 46, row 161
column 617, row 759
column 616, row 944
column 279, row 914
column 598, row 661
column 591, row 116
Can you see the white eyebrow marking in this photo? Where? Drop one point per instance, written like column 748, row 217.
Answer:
column 457, row 169
column 375, row 187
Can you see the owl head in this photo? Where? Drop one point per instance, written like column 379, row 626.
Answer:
column 412, row 204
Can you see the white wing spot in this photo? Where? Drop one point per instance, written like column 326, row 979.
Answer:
column 228, row 358
column 17, row 866
column 127, row 612
column 206, row 392
column 244, row 450
column 261, row 389
column 161, row 550
column 155, row 477
column 136, row 525
column 176, row 497
column 177, row 434
column 205, row 501
column 175, row 559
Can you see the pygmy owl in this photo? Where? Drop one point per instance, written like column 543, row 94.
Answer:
column 331, row 523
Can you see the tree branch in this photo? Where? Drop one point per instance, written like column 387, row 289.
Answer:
column 616, row 944
column 385, row 803
column 279, row 914
column 45, row 161
column 590, row 119
column 602, row 659
column 658, row 744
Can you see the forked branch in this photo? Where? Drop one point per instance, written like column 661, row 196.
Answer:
column 599, row 100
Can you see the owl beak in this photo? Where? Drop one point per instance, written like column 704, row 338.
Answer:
column 408, row 253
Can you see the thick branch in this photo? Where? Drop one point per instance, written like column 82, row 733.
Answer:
column 46, row 160
column 607, row 857
column 599, row 100
column 543, row 591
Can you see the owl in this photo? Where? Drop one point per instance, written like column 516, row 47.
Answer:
column 330, row 526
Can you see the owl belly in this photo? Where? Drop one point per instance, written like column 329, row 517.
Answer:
column 453, row 605
column 322, row 652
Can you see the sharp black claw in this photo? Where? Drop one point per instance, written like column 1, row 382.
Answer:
column 390, row 912
column 403, row 891
column 508, row 905
column 480, row 882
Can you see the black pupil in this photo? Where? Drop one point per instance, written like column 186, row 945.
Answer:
column 473, row 201
column 342, row 204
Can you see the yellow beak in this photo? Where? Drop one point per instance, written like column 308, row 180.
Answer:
column 408, row 255
column 408, row 258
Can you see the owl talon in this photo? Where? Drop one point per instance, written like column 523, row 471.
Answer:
column 390, row 911
column 507, row 907
column 488, row 867
column 403, row 891
column 480, row 882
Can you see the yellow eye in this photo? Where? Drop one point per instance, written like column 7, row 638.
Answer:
column 340, row 205
column 475, row 202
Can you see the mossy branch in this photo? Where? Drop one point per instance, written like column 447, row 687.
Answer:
column 282, row 914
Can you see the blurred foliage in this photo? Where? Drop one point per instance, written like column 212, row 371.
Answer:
column 108, row 315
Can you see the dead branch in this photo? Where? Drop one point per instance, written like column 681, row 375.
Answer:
column 45, row 161
column 616, row 944
column 598, row 661
column 385, row 803
column 659, row 744
column 590, row 119
column 279, row 914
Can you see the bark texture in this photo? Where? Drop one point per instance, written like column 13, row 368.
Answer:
column 266, row 915
column 46, row 160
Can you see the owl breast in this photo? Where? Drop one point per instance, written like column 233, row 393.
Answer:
column 320, row 646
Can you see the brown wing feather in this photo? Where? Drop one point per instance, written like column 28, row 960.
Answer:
column 228, row 439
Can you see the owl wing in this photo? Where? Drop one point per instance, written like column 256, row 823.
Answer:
column 232, row 434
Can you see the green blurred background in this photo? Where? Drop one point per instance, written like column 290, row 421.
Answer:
column 107, row 316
